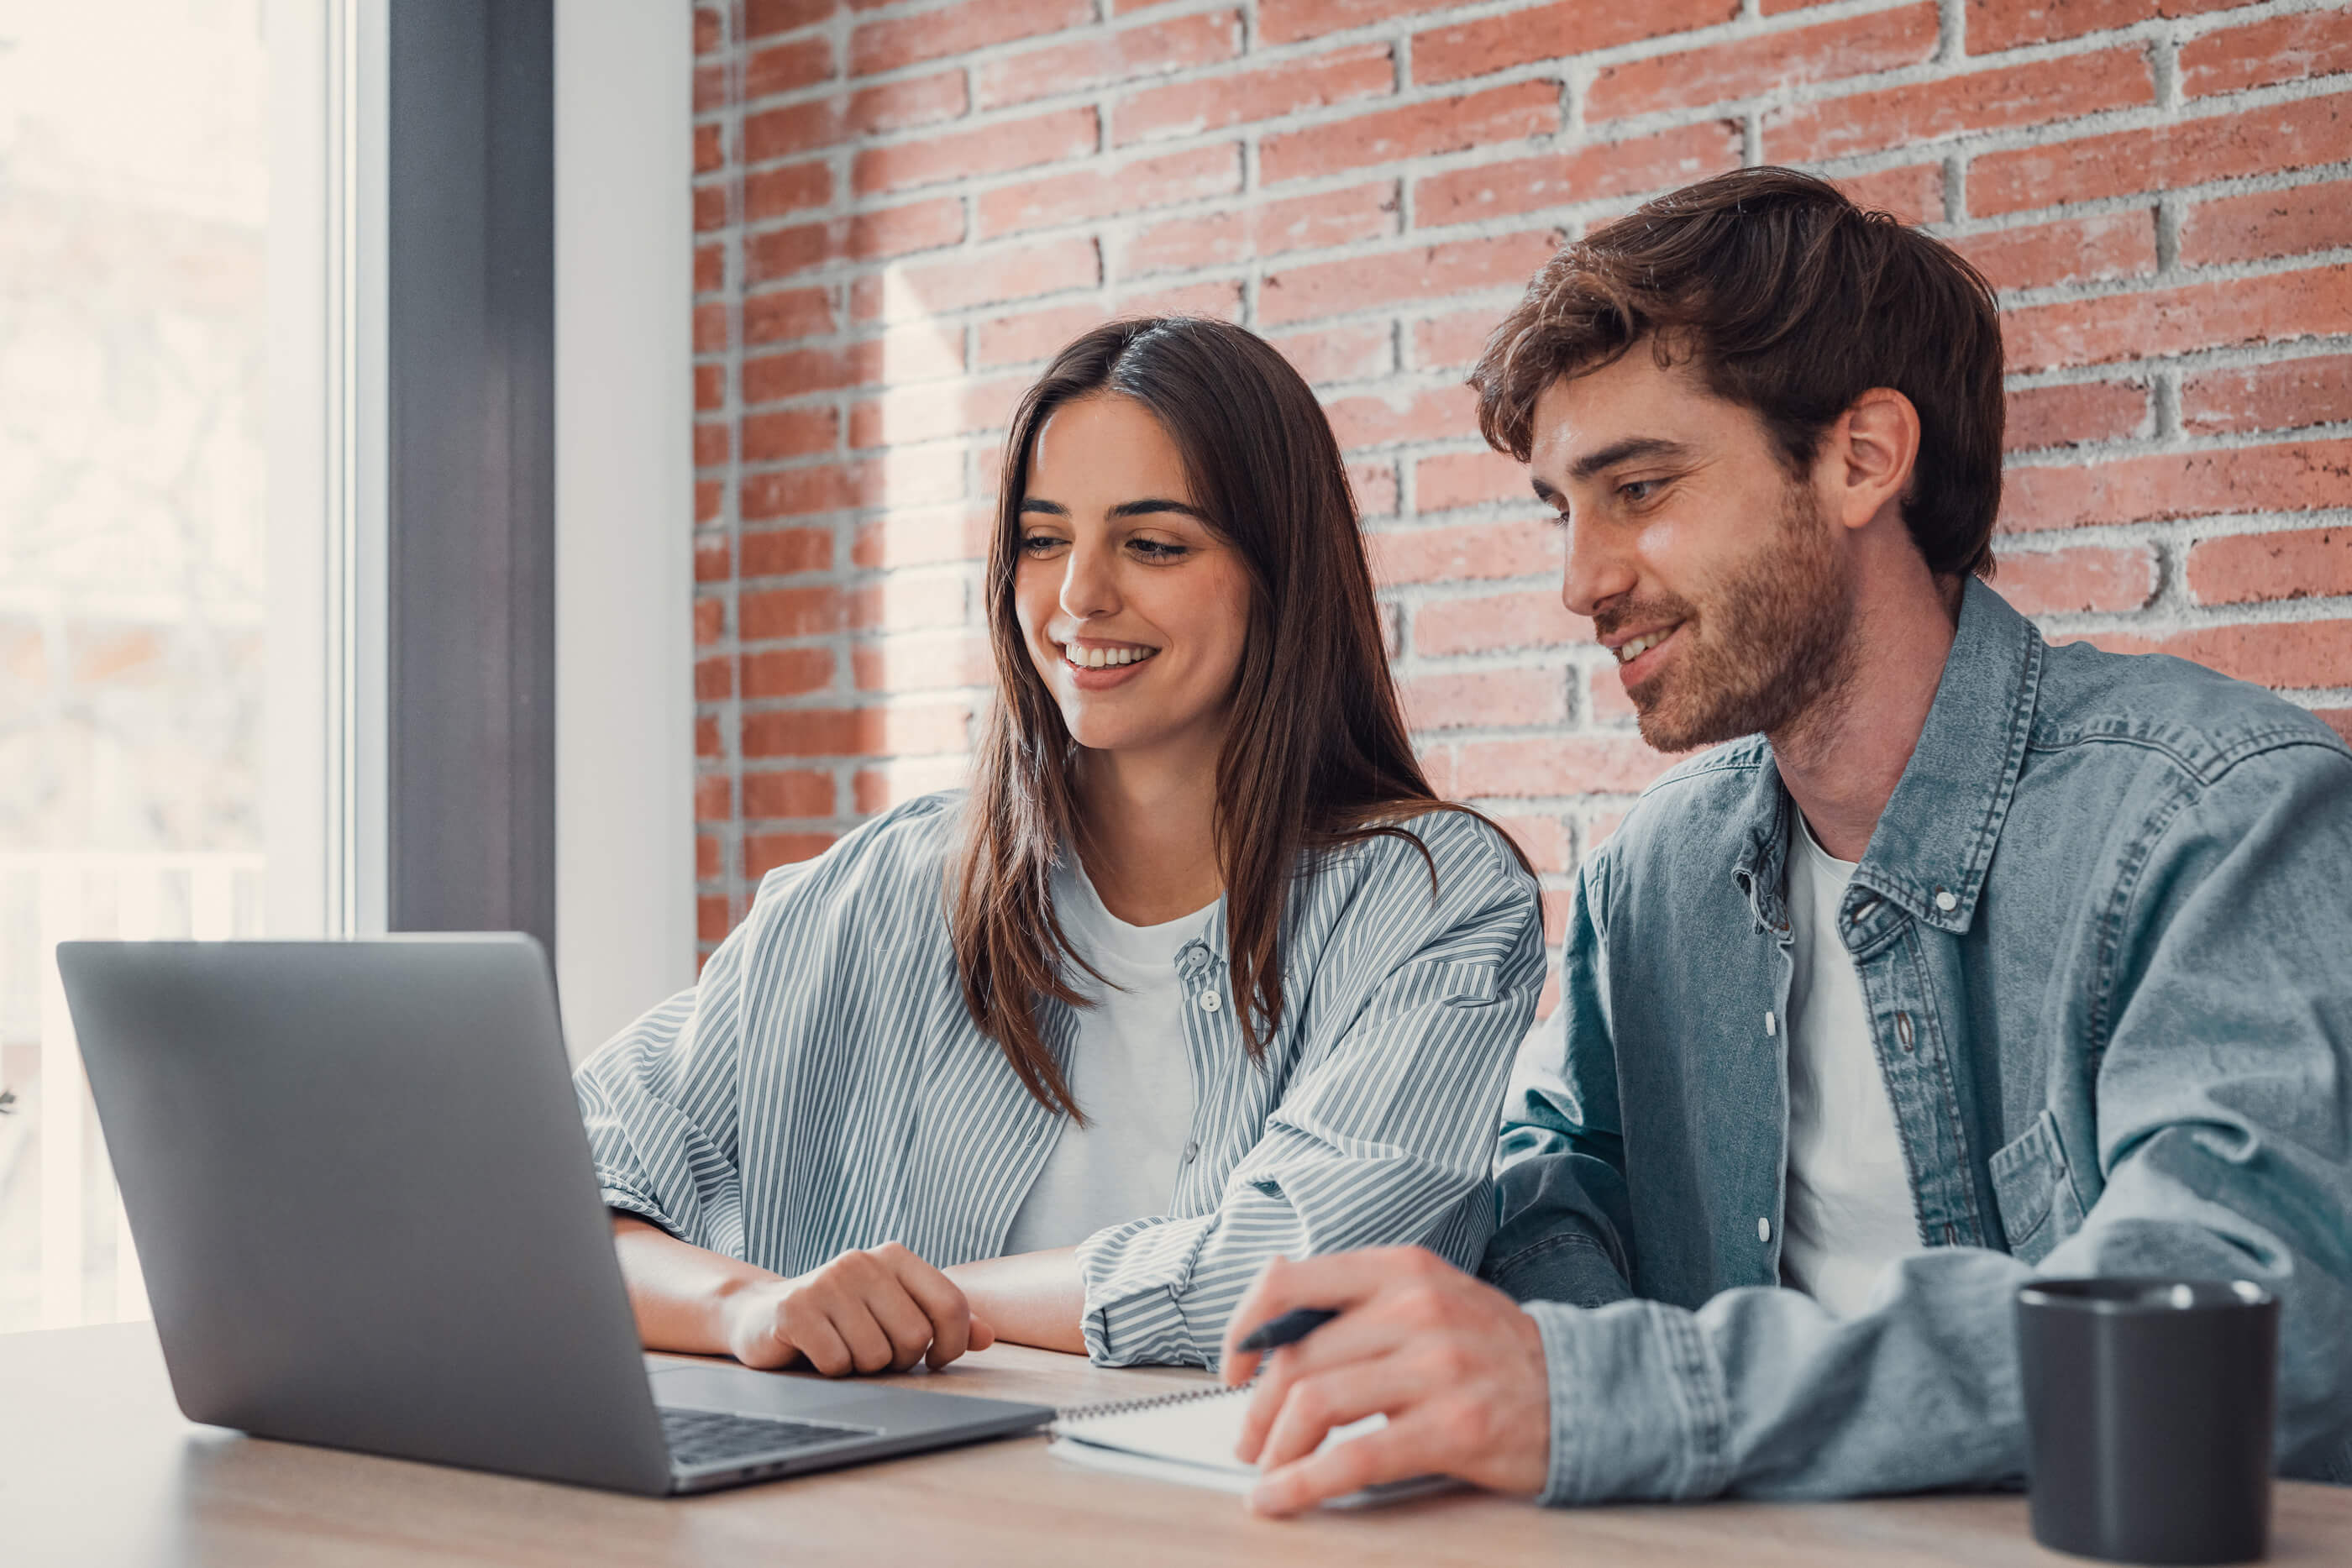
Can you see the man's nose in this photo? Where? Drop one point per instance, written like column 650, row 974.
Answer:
column 1599, row 568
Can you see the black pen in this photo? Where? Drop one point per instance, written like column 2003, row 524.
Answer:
column 1288, row 1329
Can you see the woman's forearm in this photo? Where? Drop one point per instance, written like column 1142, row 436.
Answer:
column 679, row 1291
column 1029, row 1298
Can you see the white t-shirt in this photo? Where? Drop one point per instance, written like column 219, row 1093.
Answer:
column 1849, row 1199
column 1129, row 1070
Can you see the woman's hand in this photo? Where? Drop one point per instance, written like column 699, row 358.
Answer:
column 881, row 1310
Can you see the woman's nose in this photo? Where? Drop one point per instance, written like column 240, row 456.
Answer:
column 1090, row 587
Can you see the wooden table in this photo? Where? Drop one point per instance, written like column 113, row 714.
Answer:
column 98, row 1467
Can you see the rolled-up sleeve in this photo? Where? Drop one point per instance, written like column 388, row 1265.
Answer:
column 1384, row 1135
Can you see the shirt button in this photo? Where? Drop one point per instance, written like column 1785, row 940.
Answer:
column 1190, row 1152
column 1208, row 1002
column 1763, row 1228
column 1771, row 1024
column 1944, row 901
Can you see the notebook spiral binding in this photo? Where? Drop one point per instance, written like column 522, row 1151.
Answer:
column 1158, row 1400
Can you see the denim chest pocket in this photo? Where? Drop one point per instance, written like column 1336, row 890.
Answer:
column 2035, row 1189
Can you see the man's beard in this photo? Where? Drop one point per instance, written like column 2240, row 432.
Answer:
column 1769, row 645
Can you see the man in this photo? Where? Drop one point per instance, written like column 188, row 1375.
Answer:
column 1976, row 959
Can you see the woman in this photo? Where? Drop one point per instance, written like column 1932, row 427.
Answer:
column 1199, row 972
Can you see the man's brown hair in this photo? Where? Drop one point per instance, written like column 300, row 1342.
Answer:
column 1790, row 300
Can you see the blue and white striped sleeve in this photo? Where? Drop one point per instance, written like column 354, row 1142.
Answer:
column 1386, row 1133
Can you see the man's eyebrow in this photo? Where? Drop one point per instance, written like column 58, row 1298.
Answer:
column 1625, row 451
column 1151, row 504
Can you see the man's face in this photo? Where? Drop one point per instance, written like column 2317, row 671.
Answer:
column 1714, row 576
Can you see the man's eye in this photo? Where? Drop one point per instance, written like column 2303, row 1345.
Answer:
column 1638, row 490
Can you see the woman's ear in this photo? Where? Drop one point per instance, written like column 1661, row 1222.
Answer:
column 1869, row 455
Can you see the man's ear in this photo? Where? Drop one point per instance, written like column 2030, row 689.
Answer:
column 1868, row 455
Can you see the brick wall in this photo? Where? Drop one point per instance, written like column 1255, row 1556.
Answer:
column 904, row 208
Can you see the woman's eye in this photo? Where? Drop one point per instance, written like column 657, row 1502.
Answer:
column 1041, row 544
column 1154, row 549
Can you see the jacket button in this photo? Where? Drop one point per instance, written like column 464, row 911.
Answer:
column 1763, row 1228
column 1944, row 901
column 1208, row 1002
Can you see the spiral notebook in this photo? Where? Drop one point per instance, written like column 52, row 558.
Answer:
column 1189, row 1436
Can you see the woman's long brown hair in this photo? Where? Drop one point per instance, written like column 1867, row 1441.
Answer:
column 1315, row 752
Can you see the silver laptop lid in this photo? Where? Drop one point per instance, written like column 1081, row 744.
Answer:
column 363, row 1201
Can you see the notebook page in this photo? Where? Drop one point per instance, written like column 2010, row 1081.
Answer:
column 1197, row 1432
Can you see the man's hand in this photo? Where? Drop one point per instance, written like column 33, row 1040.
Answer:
column 1453, row 1364
column 876, row 1311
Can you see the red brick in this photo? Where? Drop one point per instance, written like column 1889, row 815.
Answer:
column 2272, row 139
column 1500, row 114
column 983, row 278
column 761, row 17
column 1640, row 163
column 924, row 661
column 709, row 268
column 710, row 149
column 1374, row 486
column 1485, row 699
column 2294, row 654
column 1912, row 193
column 710, row 387
column 709, row 208
column 2307, row 564
column 780, row 552
column 1557, row 765
column 788, row 67
column 709, row 29
column 714, row 561
column 714, row 678
column 710, row 500
column 1347, row 353
column 1132, row 186
column 786, row 189
column 1997, row 24
column 923, row 539
column 1543, row 840
column 862, row 236
column 1379, row 419
column 712, row 920
column 710, row 622
column 2073, row 415
column 1551, row 32
column 713, row 442
column 2275, row 307
column 2285, row 48
column 1430, row 272
column 775, row 613
column 1465, row 551
column 1469, row 479
column 781, row 315
column 878, row 788
column 904, row 355
column 1288, row 21
column 990, row 150
column 1265, row 92
column 934, row 412
column 2111, row 245
column 2081, row 578
column 2268, row 223
column 763, row 852
column 2277, row 396
column 2291, row 477
column 713, row 798
column 901, row 479
column 1121, row 57
column 2338, row 719
column 887, row 45
column 711, row 328
column 1263, row 228
column 821, row 123
column 1454, row 340
column 1748, row 67
column 1605, row 699
column 854, row 732
column 786, row 672
column 910, row 601
column 1529, row 618
column 1033, row 336
column 1992, row 99
column 1221, row 299
column 771, row 793
column 789, row 433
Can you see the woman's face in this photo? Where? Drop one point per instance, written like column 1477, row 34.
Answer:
column 1133, row 610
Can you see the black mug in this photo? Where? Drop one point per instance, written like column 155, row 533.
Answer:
column 2148, row 1407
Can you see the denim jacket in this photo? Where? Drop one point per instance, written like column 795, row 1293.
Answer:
column 2103, row 931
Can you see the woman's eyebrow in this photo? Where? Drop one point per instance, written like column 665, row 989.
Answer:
column 1151, row 504
column 1039, row 503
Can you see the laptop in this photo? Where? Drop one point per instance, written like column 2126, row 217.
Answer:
column 363, row 1199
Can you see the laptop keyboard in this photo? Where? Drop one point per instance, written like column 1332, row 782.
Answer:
column 712, row 1437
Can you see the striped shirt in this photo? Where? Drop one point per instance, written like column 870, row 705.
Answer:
column 823, row 1089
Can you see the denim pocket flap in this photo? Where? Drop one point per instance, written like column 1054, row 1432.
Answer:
column 2035, row 1190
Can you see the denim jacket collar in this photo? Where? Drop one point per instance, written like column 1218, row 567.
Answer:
column 1934, row 839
